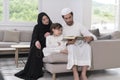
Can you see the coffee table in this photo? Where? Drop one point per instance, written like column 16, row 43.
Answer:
column 17, row 48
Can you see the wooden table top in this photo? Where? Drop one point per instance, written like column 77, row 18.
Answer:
column 20, row 46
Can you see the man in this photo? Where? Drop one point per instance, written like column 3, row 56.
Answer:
column 79, row 51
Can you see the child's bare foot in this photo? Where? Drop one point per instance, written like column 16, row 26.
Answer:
column 77, row 78
column 83, row 77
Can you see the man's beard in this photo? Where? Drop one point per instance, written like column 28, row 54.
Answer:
column 70, row 23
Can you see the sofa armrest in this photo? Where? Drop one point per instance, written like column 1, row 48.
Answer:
column 55, row 58
column 105, row 54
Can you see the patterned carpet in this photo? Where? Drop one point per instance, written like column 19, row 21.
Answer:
column 8, row 69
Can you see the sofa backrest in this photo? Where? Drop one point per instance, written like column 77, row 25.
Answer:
column 15, row 35
column 25, row 36
column 1, row 35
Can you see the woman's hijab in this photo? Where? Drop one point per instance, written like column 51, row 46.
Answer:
column 41, row 25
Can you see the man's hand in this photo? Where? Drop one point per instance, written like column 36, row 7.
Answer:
column 88, row 39
column 38, row 45
column 46, row 34
column 71, row 41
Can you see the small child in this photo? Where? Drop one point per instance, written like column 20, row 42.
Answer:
column 54, row 42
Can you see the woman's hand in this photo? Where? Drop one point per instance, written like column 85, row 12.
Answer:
column 88, row 39
column 46, row 34
column 38, row 45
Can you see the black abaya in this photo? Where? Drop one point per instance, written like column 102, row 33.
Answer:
column 33, row 68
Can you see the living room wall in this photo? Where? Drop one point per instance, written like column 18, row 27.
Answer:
column 81, row 9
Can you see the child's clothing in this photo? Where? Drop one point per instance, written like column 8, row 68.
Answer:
column 54, row 44
column 79, row 53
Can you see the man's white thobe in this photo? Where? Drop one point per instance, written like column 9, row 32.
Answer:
column 79, row 53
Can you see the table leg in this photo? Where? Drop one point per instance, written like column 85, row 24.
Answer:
column 16, row 57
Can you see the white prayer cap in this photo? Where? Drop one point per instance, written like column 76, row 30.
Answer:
column 66, row 11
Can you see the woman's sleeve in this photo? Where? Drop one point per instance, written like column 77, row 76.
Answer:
column 86, row 32
column 34, row 35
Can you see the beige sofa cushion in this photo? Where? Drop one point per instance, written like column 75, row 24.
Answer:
column 116, row 35
column 1, row 35
column 7, row 44
column 11, row 36
column 25, row 36
column 56, row 58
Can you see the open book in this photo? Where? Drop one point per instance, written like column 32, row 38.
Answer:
column 73, row 37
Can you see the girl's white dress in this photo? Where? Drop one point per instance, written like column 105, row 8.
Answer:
column 54, row 44
column 79, row 53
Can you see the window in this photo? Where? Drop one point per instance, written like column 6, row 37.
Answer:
column 1, row 10
column 104, row 15
column 23, row 10
column 18, row 11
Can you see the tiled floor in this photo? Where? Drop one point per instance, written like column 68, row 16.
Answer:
column 8, row 68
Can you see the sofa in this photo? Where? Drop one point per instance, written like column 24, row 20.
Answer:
column 105, row 55
column 13, row 37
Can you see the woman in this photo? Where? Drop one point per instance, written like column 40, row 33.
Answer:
column 33, row 68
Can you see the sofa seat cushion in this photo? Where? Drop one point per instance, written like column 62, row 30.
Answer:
column 25, row 43
column 56, row 68
column 6, row 44
column 55, row 58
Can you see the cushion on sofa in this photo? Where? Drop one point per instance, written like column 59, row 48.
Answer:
column 96, row 32
column 7, row 44
column 11, row 36
column 1, row 35
column 25, row 36
column 56, row 58
column 116, row 35
column 105, row 37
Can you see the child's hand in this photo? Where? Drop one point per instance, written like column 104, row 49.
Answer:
column 46, row 34
column 64, row 51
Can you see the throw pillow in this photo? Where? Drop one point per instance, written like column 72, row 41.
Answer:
column 96, row 32
column 116, row 35
column 11, row 36
column 55, row 58
column 104, row 37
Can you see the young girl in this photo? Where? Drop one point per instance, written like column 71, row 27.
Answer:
column 54, row 42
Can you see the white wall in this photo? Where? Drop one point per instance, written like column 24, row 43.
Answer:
column 118, row 16
column 81, row 10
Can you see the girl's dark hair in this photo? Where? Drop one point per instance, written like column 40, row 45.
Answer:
column 55, row 26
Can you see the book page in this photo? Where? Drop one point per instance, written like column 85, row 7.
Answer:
column 73, row 37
